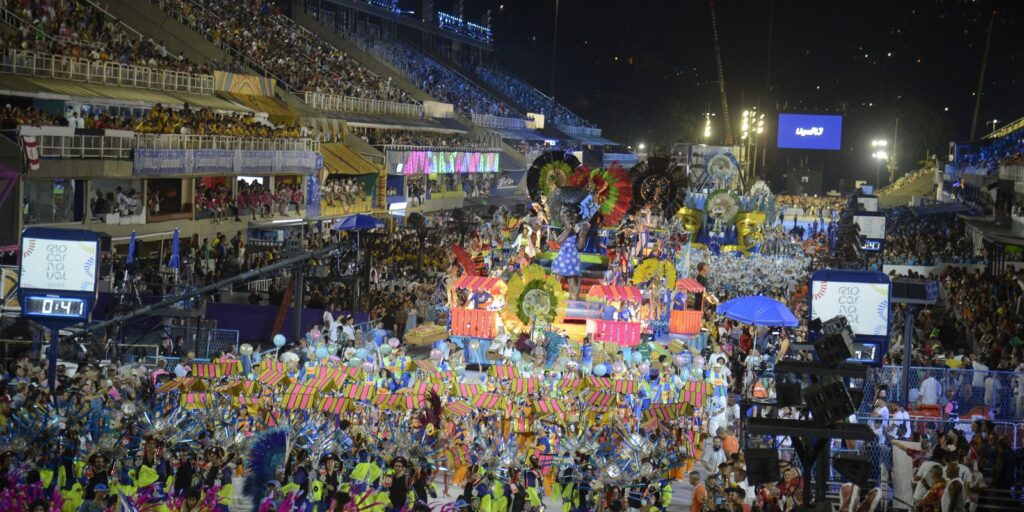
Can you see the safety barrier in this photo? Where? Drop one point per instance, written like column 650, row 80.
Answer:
column 1011, row 172
column 173, row 141
column 85, row 147
column 22, row 62
column 331, row 102
column 581, row 130
column 468, row 149
column 205, row 342
column 996, row 394
column 501, row 123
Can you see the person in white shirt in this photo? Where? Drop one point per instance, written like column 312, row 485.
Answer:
column 899, row 426
column 931, row 390
column 349, row 329
column 713, row 457
column 182, row 369
column 927, row 475
column 954, row 499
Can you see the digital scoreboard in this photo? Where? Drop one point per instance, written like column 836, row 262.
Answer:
column 58, row 273
column 58, row 278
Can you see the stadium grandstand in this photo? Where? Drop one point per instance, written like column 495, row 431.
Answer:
column 340, row 264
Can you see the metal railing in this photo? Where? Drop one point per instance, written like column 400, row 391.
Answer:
column 581, row 130
column 21, row 62
column 1011, row 172
column 173, row 141
column 85, row 147
column 502, row 123
column 120, row 148
column 331, row 102
column 1003, row 395
column 468, row 149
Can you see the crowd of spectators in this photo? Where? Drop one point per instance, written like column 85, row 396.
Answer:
column 379, row 137
column 188, row 121
column 12, row 117
column 989, row 154
column 252, row 197
column 272, row 42
column 926, row 240
column 158, row 120
column 75, row 28
column 441, row 82
column 812, row 206
column 529, row 98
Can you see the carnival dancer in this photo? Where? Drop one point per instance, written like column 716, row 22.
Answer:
column 572, row 239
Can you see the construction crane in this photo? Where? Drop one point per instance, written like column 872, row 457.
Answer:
column 721, row 74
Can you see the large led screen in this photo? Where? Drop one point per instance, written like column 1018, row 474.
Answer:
column 806, row 131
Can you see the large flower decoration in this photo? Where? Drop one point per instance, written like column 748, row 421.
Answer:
column 611, row 188
column 532, row 294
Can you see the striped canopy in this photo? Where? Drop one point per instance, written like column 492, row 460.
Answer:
column 479, row 283
column 689, row 285
column 629, row 293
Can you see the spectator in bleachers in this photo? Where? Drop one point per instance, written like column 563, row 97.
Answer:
column 75, row 28
column 265, row 38
column 529, row 98
column 379, row 137
column 912, row 240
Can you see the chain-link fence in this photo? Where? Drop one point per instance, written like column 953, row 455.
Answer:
column 992, row 394
column 880, row 454
column 205, row 342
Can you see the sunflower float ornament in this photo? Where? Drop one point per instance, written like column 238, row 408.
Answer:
column 653, row 270
column 532, row 294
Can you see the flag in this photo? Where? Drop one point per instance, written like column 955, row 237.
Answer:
column 124, row 504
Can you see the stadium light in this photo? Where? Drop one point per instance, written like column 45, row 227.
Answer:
column 707, row 127
column 881, row 155
column 879, row 143
column 642, row 146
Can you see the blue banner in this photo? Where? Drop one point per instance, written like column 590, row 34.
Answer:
column 164, row 162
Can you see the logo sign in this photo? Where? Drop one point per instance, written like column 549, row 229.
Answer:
column 61, row 265
column 872, row 245
column 804, row 131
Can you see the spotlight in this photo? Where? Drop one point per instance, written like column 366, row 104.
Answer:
column 829, row 401
column 787, row 394
column 854, row 467
column 835, row 325
column 762, row 465
column 834, row 349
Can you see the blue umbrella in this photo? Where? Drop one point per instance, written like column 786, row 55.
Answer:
column 131, row 249
column 758, row 310
column 357, row 222
column 175, row 261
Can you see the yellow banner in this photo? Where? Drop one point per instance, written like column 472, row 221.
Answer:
column 9, row 287
column 243, row 84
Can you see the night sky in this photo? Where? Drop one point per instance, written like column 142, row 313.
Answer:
column 645, row 70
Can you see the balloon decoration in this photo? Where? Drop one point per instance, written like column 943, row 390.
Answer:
column 394, row 342
column 321, row 351
column 280, row 340
column 245, row 349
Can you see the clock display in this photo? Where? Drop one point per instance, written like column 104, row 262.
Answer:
column 55, row 307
